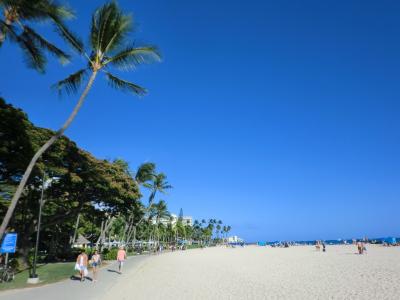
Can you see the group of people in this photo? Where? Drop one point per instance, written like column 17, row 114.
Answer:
column 319, row 245
column 361, row 247
column 83, row 262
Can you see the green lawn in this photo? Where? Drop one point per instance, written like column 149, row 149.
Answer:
column 48, row 273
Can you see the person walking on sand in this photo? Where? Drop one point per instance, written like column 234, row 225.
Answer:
column 360, row 247
column 364, row 249
column 96, row 260
column 121, row 256
column 81, row 264
column 317, row 245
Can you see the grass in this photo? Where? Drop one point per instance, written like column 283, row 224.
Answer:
column 48, row 273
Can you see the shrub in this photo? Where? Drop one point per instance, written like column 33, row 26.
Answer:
column 110, row 254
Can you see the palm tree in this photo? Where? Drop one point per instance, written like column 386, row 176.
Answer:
column 15, row 27
column 224, row 230
column 159, row 184
column 228, row 228
column 160, row 212
column 108, row 37
column 218, row 230
column 145, row 173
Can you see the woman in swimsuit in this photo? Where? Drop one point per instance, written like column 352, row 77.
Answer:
column 96, row 260
column 81, row 264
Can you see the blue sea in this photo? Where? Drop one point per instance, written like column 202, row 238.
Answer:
column 390, row 240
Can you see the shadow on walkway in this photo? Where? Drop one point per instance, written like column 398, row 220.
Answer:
column 77, row 278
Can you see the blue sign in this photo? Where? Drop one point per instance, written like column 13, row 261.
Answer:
column 9, row 244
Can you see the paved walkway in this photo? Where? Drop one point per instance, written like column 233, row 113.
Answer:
column 74, row 289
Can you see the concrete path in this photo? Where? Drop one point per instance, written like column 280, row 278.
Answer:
column 74, row 289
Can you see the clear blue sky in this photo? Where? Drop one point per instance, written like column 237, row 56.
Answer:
column 282, row 118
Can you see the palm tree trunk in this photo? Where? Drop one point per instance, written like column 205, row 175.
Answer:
column 76, row 230
column 39, row 153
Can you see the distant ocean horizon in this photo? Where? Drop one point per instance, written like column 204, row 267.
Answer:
column 379, row 240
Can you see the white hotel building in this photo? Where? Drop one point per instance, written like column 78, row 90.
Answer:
column 186, row 220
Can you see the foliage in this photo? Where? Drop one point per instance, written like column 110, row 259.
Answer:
column 110, row 254
column 80, row 184
column 109, row 36
column 83, row 185
column 15, row 26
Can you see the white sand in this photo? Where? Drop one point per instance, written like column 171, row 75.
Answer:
column 265, row 273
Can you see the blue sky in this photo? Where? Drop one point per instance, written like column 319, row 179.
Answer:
column 279, row 117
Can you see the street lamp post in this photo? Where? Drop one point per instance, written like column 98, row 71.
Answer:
column 34, row 278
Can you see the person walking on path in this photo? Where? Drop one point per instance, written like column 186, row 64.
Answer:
column 121, row 256
column 81, row 264
column 96, row 260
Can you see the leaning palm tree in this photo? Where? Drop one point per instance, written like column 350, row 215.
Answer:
column 108, row 39
column 15, row 26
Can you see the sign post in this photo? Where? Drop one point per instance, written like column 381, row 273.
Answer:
column 9, row 245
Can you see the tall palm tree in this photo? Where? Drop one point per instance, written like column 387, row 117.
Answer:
column 144, row 173
column 15, row 26
column 218, row 227
column 160, row 213
column 224, row 230
column 108, row 39
column 158, row 184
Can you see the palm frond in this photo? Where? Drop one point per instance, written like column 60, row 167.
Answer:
column 73, row 40
column 124, row 85
column 34, row 57
column 72, row 83
column 109, row 28
column 131, row 57
column 145, row 172
column 45, row 44
column 4, row 28
column 39, row 10
column 56, row 10
column 147, row 185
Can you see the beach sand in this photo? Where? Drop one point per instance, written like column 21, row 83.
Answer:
column 264, row 273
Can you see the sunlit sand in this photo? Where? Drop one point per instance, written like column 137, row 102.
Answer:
column 265, row 273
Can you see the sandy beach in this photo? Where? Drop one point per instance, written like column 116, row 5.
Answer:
column 241, row 273
column 265, row 273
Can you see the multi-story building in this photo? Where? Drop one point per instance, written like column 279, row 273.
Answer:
column 235, row 239
column 173, row 219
